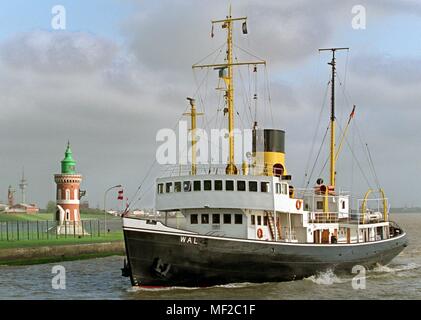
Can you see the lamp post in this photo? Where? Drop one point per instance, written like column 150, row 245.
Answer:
column 105, row 209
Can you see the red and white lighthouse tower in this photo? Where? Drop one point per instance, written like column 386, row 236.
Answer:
column 68, row 196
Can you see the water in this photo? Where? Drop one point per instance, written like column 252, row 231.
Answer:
column 101, row 279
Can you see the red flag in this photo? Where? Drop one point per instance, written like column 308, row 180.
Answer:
column 352, row 113
column 120, row 195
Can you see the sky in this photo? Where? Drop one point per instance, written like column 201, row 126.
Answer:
column 121, row 71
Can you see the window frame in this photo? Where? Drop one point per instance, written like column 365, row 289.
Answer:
column 226, row 215
column 197, row 183
column 254, row 183
column 229, row 188
column 220, row 184
column 238, row 184
column 196, row 216
column 205, row 183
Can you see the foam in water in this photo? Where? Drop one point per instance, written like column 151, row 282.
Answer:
column 326, row 278
column 389, row 269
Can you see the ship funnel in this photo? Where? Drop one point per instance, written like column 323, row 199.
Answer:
column 269, row 152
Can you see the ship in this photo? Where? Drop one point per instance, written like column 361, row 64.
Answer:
column 247, row 223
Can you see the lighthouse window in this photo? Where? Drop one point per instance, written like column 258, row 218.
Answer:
column 187, row 186
column 194, row 219
column 168, row 187
column 161, row 188
column 177, row 186
column 197, row 185
column 238, row 219
column 227, row 219
column 229, row 185
column 67, row 194
column 216, row 218
column 253, row 186
column 205, row 218
column 218, row 185
column 264, row 186
column 241, row 186
column 207, row 185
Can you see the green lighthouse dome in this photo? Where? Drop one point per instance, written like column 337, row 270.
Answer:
column 68, row 165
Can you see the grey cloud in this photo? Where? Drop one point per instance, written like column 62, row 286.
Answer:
column 55, row 52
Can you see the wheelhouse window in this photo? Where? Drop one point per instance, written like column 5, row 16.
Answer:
column 343, row 205
column 207, row 185
column 259, row 220
column 205, row 219
column 238, row 219
column 229, row 185
column 253, row 186
column 197, row 185
column 194, row 219
column 264, row 186
column 187, row 186
column 177, row 186
column 265, row 221
column 168, row 187
column 218, row 185
column 241, row 185
column 278, row 188
column 284, row 188
column 216, row 218
column 160, row 188
column 253, row 220
column 227, row 219
column 319, row 205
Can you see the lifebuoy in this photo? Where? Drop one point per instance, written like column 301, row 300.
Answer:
column 260, row 233
column 298, row 204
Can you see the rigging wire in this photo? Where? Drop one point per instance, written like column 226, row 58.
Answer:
column 269, row 96
column 314, row 138
column 317, row 157
column 356, row 160
column 372, row 166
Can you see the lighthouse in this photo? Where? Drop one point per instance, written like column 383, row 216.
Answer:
column 68, row 196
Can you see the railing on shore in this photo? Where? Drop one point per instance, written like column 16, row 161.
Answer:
column 49, row 230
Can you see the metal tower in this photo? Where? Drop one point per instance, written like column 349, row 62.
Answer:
column 22, row 186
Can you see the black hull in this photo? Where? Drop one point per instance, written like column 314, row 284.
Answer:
column 164, row 259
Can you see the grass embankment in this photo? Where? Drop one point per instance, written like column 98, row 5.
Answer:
column 62, row 240
column 32, row 252
column 59, row 248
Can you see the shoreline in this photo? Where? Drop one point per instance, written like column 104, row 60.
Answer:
column 58, row 253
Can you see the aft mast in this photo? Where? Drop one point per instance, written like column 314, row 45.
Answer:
column 333, row 118
column 227, row 74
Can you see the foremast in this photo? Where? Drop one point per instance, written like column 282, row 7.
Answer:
column 226, row 71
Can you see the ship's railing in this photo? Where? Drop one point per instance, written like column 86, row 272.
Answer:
column 288, row 235
column 211, row 169
column 353, row 217
column 301, row 193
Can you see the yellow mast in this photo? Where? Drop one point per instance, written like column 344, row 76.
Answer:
column 332, row 117
column 193, row 113
column 228, row 24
